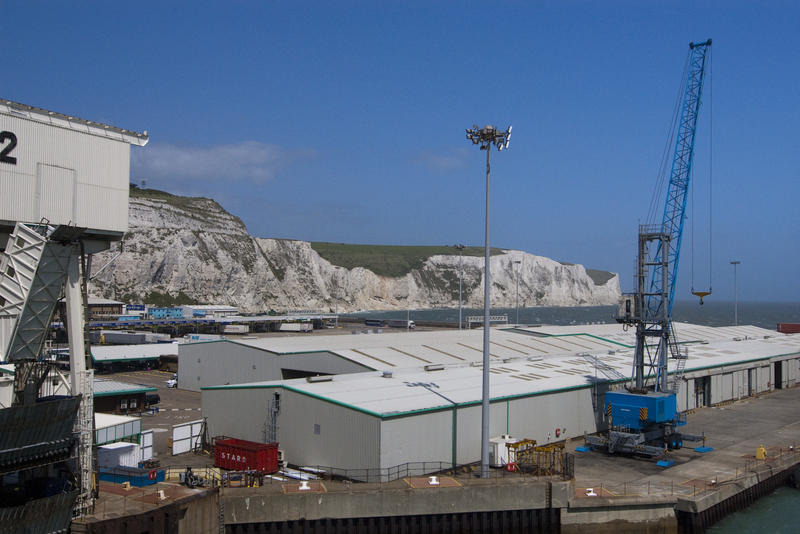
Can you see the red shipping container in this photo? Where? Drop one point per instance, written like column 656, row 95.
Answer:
column 789, row 328
column 242, row 455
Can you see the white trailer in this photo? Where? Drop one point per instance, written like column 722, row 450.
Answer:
column 236, row 329
column 296, row 327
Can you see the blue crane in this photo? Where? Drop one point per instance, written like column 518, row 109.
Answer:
column 677, row 194
column 644, row 419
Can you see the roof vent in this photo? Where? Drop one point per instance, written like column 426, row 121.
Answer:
column 386, row 374
column 612, row 351
column 319, row 378
column 434, row 367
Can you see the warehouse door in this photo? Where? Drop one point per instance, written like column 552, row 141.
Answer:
column 702, row 391
column 187, row 437
column 147, row 444
column 778, row 375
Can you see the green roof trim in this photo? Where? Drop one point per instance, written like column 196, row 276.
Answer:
column 396, row 415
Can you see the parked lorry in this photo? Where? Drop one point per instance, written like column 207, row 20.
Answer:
column 296, row 327
column 400, row 323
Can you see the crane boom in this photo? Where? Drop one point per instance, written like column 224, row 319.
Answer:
column 677, row 194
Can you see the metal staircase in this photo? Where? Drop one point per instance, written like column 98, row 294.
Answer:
column 84, row 426
column 675, row 379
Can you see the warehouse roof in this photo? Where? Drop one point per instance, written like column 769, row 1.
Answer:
column 408, row 390
column 398, row 350
column 105, row 388
column 120, row 353
column 72, row 123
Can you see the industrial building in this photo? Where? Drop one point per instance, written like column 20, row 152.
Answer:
column 230, row 361
column 430, row 412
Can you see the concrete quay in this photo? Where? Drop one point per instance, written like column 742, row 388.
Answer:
column 608, row 493
column 700, row 488
column 626, row 495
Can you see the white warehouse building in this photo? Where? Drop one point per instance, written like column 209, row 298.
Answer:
column 231, row 361
column 381, row 419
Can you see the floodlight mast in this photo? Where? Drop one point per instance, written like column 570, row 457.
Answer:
column 486, row 137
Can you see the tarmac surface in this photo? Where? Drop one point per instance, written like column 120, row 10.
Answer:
column 734, row 430
column 176, row 406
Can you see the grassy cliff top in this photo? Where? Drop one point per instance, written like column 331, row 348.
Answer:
column 198, row 207
column 155, row 194
column 387, row 260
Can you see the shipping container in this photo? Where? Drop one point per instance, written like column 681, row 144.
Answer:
column 236, row 329
column 789, row 328
column 136, row 476
column 242, row 455
column 118, row 454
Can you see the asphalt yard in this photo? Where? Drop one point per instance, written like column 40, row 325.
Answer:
column 176, row 406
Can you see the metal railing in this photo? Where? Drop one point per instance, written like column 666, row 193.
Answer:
column 777, row 460
column 370, row 475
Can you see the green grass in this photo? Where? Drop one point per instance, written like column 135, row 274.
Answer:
column 387, row 260
column 169, row 198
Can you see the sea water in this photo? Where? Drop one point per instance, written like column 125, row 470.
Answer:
column 712, row 313
column 776, row 513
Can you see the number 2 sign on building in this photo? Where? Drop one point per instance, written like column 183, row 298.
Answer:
column 6, row 149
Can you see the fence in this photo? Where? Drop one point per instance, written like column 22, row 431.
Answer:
column 215, row 476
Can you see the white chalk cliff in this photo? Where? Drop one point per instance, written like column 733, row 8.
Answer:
column 192, row 248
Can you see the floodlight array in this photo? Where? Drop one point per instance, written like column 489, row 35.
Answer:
column 489, row 135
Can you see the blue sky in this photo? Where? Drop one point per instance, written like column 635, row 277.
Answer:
column 344, row 121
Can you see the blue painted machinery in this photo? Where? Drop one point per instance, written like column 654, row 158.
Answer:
column 644, row 419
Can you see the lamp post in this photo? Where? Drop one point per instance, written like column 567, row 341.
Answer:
column 486, row 137
column 460, row 249
column 735, row 296
column 516, row 263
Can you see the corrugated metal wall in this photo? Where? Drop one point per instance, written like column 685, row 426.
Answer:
column 65, row 176
column 315, row 432
column 311, row 431
column 218, row 363
column 238, row 413
column 427, row 437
